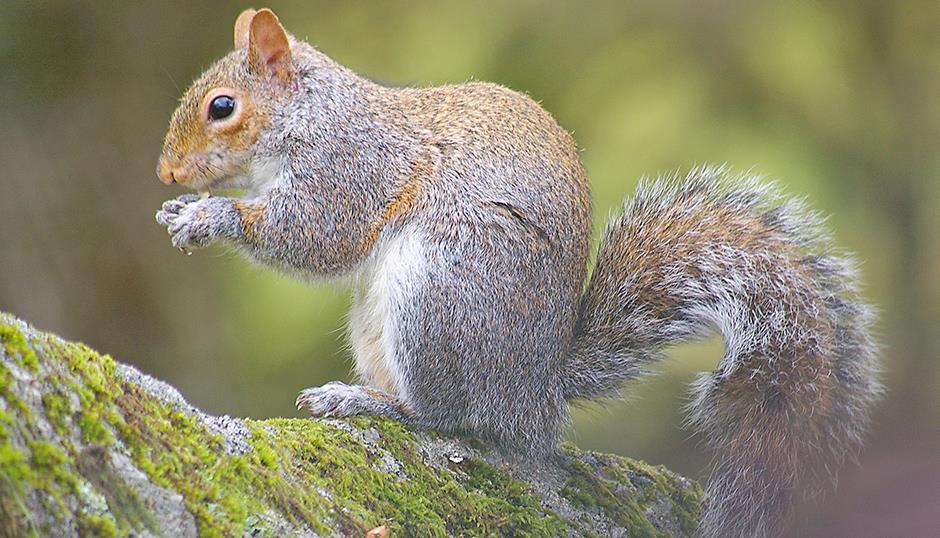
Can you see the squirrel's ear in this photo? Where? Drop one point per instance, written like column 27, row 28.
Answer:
column 268, row 46
column 242, row 26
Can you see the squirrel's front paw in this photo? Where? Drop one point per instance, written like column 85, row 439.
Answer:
column 194, row 222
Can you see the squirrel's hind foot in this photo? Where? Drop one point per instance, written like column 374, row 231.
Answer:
column 337, row 399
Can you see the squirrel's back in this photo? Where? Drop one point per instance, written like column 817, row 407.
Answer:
column 498, row 146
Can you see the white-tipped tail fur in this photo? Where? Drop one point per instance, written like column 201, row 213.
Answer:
column 791, row 397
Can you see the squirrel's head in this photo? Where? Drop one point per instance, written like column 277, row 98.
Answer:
column 212, row 135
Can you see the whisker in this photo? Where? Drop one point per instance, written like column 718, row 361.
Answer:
column 178, row 90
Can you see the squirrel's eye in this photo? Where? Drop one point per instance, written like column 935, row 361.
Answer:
column 221, row 107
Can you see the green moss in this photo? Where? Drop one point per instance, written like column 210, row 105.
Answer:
column 46, row 457
column 586, row 490
column 92, row 379
column 14, row 344
column 625, row 489
column 314, row 474
column 28, row 460
column 266, row 456
column 14, row 473
column 58, row 411
column 222, row 490
column 686, row 496
column 14, row 514
column 40, row 466
column 36, row 465
column 127, row 510
column 93, row 429
column 288, row 452
column 98, row 526
column 13, row 403
column 196, row 467
column 14, row 462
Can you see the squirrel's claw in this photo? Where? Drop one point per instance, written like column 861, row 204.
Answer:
column 171, row 209
column 185, row 220
column 165, row 218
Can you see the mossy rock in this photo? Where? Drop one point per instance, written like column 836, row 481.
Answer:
column 92, row 447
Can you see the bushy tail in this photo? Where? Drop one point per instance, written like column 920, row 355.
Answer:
column 791, row 397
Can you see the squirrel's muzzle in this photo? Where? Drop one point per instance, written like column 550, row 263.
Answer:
column 166, row 171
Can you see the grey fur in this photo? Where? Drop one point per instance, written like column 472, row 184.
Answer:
column 337, row 399
column 751, row 295
column 469, row 314
column 194, row 222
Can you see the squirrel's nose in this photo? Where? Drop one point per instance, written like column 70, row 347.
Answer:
column 166, row 172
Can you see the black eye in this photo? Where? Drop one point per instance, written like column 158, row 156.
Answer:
column 221, row 107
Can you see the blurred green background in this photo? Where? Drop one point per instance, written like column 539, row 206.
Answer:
column 839, row 101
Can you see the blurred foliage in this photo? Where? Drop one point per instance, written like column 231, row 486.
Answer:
column 837, row 100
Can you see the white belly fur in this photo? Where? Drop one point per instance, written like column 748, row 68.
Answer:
column 391, row 275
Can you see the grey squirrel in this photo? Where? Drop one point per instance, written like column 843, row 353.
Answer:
column 463, row 213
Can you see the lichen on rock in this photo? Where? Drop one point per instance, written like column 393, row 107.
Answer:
column 92, row 447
